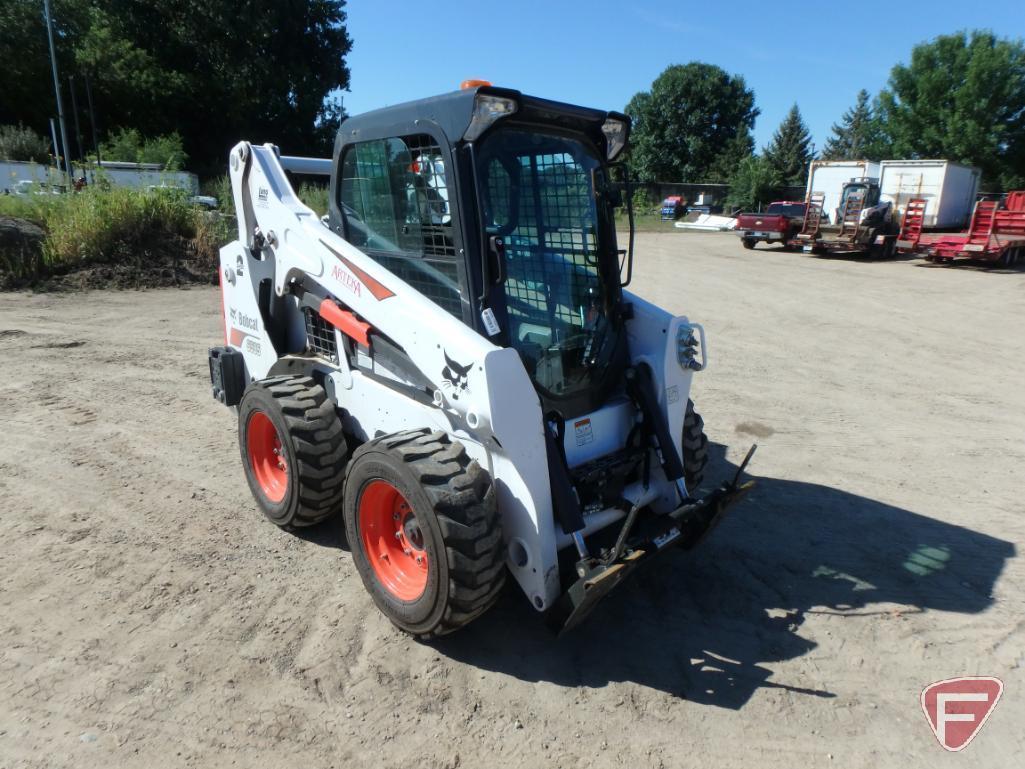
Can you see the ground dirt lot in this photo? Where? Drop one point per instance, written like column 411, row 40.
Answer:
column 152, row 618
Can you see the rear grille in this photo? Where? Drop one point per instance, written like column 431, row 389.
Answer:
column 320, row 336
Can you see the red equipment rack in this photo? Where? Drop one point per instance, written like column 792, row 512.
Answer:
column 995, row 234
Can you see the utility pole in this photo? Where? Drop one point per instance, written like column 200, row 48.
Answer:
column 57, row 91
column 92, row 119
column 78, row 127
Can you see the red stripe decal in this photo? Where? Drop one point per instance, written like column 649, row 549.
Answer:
column 377, row 289
column 237, row 337
column 345, row 322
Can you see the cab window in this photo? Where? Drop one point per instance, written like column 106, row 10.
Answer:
column 394, row 197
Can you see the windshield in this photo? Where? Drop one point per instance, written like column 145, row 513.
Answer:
column 786, row 209
column 538, row 195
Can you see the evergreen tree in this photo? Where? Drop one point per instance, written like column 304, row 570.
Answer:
column 728, row 163
column 789, row 152
column 848, row 139
column 859, row 135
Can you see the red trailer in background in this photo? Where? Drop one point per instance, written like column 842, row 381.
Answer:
column 996, row 233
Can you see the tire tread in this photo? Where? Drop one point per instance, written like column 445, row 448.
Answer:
column 463, row 498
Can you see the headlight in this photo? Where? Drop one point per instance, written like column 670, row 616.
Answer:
column 486, row 110
column 615, row 136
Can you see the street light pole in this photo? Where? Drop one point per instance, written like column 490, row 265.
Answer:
column 57, row 91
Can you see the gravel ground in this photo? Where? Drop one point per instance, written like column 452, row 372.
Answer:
column 151, row 617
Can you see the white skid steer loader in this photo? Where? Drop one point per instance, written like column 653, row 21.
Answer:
column 449, row 360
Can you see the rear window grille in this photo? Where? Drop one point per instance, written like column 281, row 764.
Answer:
column 320, row 335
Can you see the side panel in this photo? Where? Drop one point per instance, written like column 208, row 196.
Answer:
column 244, row 328
column 652, row 337
column 901, row 182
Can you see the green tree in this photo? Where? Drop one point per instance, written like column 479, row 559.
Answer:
column 725, row 166
column 26, row 85
column 693, row 115
column 130, row 146
column 859, row 135
column 755, row 182
column 213, row 71
column 789, row 152
column 962, row 98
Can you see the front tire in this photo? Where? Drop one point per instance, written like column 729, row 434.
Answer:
column 695, row 448
column 293, row 450
column 422, row 522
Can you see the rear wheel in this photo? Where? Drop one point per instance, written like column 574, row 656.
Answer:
column 423, row 526
column 293, row 450
column 748, row 242
column 695, row 448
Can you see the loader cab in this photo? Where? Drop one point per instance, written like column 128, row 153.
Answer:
column 500, row 208
column 865, row 188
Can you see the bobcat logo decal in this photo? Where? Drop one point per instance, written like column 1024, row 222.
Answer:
column 455, row 377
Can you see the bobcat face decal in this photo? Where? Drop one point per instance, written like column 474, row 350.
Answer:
column 455, row 378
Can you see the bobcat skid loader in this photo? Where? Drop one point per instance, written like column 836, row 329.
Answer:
column 450, row 363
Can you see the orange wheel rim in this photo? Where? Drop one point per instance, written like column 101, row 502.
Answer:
column 266, row 456
column 393, row 541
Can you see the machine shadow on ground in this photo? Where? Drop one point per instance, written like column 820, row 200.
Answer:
column 702, row 626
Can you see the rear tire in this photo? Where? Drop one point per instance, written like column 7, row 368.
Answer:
column 293, row 450
column 423, row 525
column 748, row 242
column 695, row 448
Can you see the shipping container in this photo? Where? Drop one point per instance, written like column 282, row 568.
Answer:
column 827, row 177
column 949, row 189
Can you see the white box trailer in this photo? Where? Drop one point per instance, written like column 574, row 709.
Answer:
column 949, row 189
column 827, row 177
column 138, row 175
column 145, row 175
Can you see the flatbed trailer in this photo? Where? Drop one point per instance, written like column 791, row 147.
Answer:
column 995, row 234
column 850, row 235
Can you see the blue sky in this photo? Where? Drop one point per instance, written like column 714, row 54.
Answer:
column 600, row 53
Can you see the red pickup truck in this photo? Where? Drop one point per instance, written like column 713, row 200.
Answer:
column 779, row 223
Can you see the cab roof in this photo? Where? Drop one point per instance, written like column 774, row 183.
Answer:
column 451, row 113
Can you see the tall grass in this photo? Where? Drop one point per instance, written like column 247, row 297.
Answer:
column 114, row 225
column 314, row 195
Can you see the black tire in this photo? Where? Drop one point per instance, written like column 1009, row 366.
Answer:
column 452, row 501
column 695, row 448
column 887, row 250
column 312, row 448
column 748, row 242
